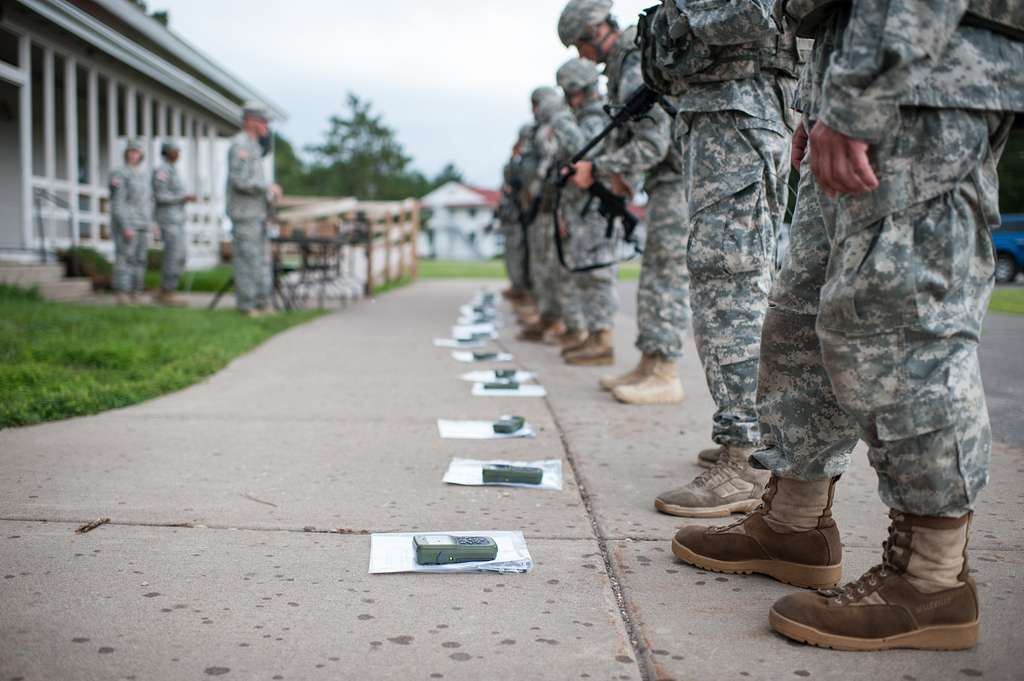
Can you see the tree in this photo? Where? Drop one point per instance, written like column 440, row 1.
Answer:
column 1011, row 174
column 289, row 170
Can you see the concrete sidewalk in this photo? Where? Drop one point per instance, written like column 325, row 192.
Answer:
column 240, row 509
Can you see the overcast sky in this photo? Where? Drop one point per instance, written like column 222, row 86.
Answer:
column 453, row 77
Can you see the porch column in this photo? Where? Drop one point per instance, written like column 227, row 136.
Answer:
column 71, row 140
column 25, row 135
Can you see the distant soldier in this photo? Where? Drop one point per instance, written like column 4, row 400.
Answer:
column 586, row 241
column 249, row 197
column 539, row 197
column 131, row 218
column 511, row 214
column 171, row 197
column 643, row 151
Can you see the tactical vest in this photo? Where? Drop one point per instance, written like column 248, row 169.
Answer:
column 1000, row 16
column 674, row 59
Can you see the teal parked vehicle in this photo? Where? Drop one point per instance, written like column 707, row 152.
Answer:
column 1008, row 240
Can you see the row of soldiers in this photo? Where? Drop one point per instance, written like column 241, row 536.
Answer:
column 894, row 115
column 142, row 202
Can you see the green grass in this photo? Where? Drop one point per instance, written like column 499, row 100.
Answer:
column 204, row 281
column 494, row 269
column 59, row 360
column 1008, row 300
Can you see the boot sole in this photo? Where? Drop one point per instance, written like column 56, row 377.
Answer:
column 805, row 576
column 596, row 362
column 948, row 637
column 724, row 511
column 648, row 402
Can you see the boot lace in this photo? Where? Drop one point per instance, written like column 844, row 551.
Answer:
column 870, row 580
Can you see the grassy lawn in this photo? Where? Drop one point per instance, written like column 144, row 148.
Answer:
column 494, row 269
column 59, row 360
column 204, row 281
column 1008, row 300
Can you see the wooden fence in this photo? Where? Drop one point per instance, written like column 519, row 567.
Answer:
column 381, row 236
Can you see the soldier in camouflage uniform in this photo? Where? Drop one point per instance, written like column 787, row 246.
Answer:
column 584, row 231
column 643, row 151
column 249, row 197
column 734, row 72
column 876, row 318
column 510, row 213
column 545, row 275
column 131, row 218
column 171, row 197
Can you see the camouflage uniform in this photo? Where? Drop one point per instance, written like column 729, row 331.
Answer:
column 131, row 208
column 247, row 206
column 877, row 311
column 545, row 271
column 170, row 195
column 516, row 264
column 737, row 132
column 646, row 148
column 584, row 239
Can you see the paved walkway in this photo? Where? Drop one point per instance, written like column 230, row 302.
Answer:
column 240, row 509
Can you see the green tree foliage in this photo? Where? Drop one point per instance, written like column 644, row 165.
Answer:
column 360, row 156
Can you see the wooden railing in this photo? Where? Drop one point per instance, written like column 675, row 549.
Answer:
column 381, row 235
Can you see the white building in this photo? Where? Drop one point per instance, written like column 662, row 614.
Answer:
column 458, row 218
column 77, row 79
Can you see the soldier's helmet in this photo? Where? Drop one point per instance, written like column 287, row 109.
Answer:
column 539, row 94
column 577, row 74
column 254, row 109
column 548, row 108
column 579, row 16
column 169, row 146
column 135, row 144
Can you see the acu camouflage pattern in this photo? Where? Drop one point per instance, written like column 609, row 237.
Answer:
column 247, row 205
column 649, row 146
column 545, row 272
column 736, row 164
column 169, row 194
column 878, row 308
column 131, row 208
column 509, row 214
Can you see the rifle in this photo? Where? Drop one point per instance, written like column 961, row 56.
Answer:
column 610, row 205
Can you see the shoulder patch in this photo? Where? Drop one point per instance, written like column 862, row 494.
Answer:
column 162, row 175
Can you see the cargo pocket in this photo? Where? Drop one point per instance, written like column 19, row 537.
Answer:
column 730, row 237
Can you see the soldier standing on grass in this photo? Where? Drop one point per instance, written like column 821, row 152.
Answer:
column 131, row 218
column 171, row 197
column 876, row 318
column 249, row 197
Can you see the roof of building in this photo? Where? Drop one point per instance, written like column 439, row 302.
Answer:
column 123, row 31
column 454, row 195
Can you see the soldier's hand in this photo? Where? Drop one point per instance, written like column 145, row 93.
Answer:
column 799, row 148
column 840, row 163
column 276, row 192
column 583, row 175
column 129, row 233
column 190, row 198
column 156, row 232
column 621, row 187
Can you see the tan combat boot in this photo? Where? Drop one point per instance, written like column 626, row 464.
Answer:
column 572, row 339
column 170, row 299
column 791, row 537
column 121, row 299
column 534, row 332
column 598, row 350
column 636, row 374
column 707, row 458
column 919, row 597
column 732, row 486
column 661, row 385
column 553, row 333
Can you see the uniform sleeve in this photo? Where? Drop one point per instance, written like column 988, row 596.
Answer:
column 887, row 48
column 163, row 189
column 242, row 172
column 650, row 137
column 729, row 22
column 591, row 127
column 118, row 196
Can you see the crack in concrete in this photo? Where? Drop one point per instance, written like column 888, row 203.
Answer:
column 643, row 663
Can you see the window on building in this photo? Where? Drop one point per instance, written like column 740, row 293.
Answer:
column 8, row 47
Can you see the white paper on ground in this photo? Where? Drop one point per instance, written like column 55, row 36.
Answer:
column 475, row 321
column 470, row 311
column 394, row 552
column 477, row 430
column 470, row 472
column 467, row 357
column 528, row 390
column 456, row 343
column 490, row 376
column 470, row 330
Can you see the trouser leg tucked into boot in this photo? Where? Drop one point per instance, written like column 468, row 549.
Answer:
column 791, row 537
column 731, row 486
column 661, row 385
column 920, row 596
column 596, row 351
column 635, row 374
